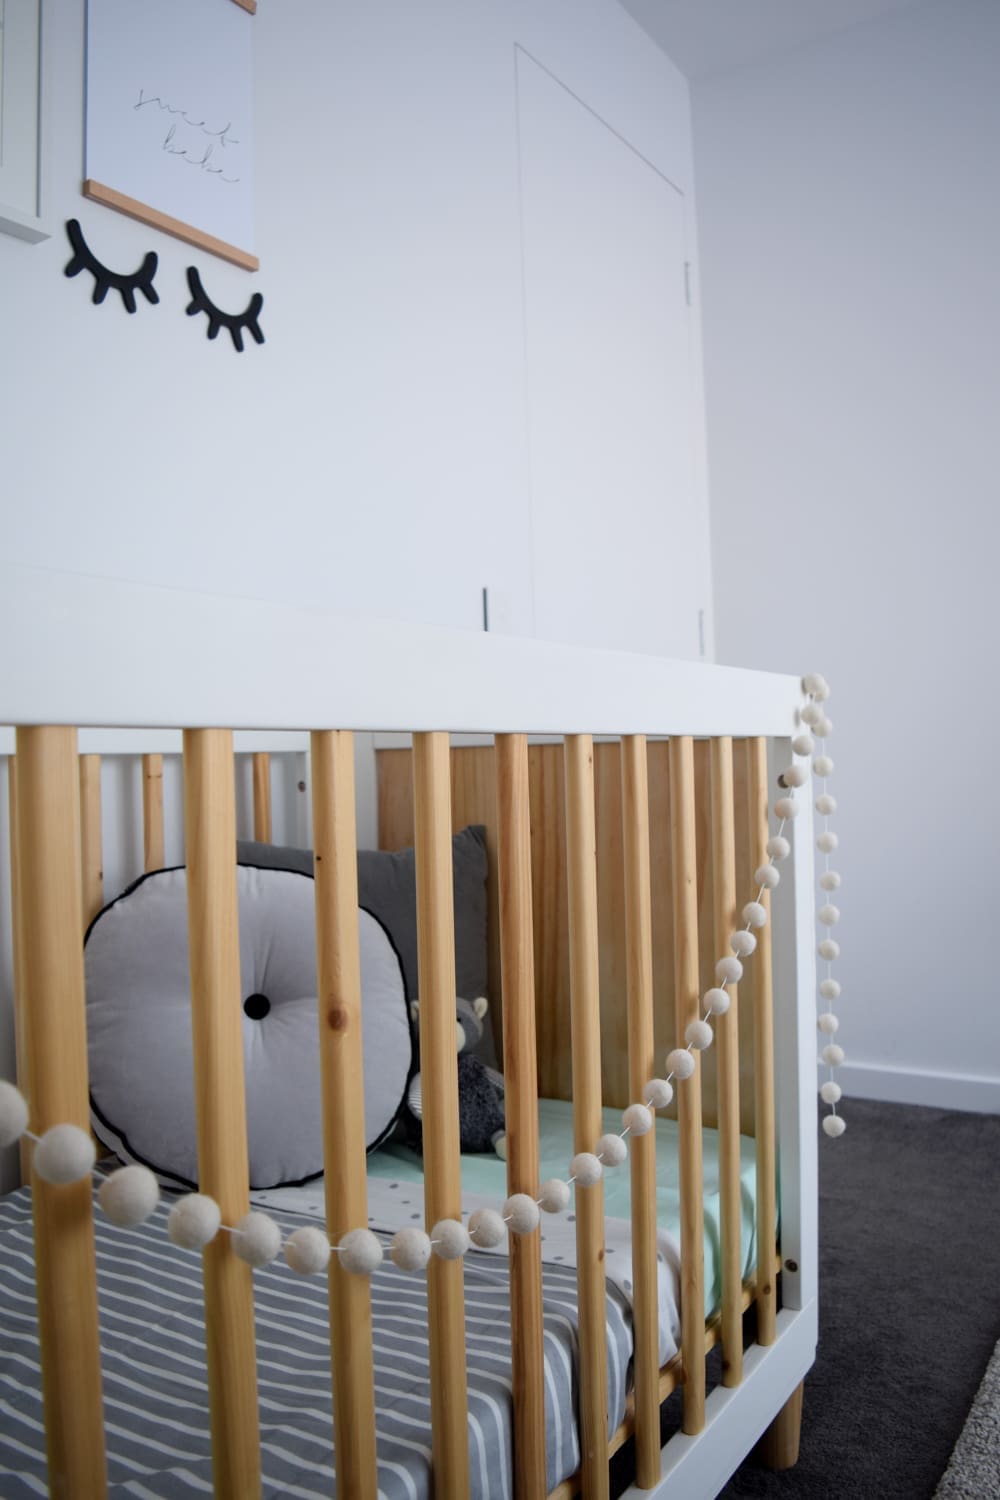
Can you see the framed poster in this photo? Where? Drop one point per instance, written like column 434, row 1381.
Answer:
column 169, row 118
column 20, row 209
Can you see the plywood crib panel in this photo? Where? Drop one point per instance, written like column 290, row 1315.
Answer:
column 473, row 800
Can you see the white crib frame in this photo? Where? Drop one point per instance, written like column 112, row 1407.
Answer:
column 98, row 652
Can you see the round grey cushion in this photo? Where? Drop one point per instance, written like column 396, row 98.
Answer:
column 139, row 1027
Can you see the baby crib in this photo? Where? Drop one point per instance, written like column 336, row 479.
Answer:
column 102, row 653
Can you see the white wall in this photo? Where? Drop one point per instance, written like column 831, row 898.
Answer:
column 849, row 216
column 374, row 453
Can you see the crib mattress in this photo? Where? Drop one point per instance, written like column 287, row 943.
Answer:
column 152, row 1338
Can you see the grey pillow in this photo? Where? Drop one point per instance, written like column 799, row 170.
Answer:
column 387, row 887
column 139, row 1027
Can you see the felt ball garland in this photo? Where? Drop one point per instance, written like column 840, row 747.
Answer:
column 129, row 1195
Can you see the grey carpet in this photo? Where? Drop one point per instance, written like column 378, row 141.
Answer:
column 909, row 1304
column 974, row 1467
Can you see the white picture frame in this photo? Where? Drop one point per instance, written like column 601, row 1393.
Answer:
column 20, row 120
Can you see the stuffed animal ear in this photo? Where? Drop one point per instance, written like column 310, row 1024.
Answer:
column 415, row 1011
column 459, row 1036
column 481, row 1006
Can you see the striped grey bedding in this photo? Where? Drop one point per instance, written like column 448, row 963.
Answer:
column 156, row 1397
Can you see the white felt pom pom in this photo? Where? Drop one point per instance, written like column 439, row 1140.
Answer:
column 716, row 1000
column 194, row 1221
column 823, row 765
column 742, row 943
column 823, row 727
column 812, row 682
column 810, row 714
column 612, row 1150
column 804, row 744
column 831, row 1093
column 307, row 1251
column 755, row 914
column 826, row 842
column 778, row 847
column 361, row 1251
column 829, row 989
column 699, row 1035
column 13, row 1114
column 829, row 949
column 830, row 880
column 680, row 1063
column 823, row 691
column 129, row 1196
column 767, row 876
column 585, row 1169
column 834, row 1125
column 729, row 971
column 658, row 1091
column 487, row 1229
column 786, row 808
column 449, row 1239
column 64, row 1154
column 829, row 914
column 554, row 1196
column 793, row 776
column 826, row 804
column 637, row 1119
column 832, row 1054
column 257, row 1239
column 828, row 1024
column 410, row 1249
column 521, row 1213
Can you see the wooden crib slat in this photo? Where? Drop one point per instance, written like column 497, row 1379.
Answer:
column 216, row 1000
column 585, row 1010
column 728, row 1062
column 639, row 963
column 53, row 1056
column 517, row 969
column 17, row 952
column 152, row 812
column 439, row 1081
column 687, row 1008
column 342, row 1082
column 763, row 990
column 262, row 796
column 91, row 853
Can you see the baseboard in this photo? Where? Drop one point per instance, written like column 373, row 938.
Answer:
column 968, row 1091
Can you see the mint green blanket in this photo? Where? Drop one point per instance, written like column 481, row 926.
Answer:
column 488, row 1174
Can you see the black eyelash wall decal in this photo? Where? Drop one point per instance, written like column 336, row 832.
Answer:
column 84, row 259
column 235, row 322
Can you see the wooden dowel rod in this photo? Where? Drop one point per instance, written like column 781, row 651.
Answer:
column 91, row 854
column 439, row 1078
column 517, row 967
column 262, row 796
column 641, row 1064
column 763, row 1058
column 220, row 1105
column 687, row 1008
column 53, row 1057
column 728, row 1062
column 342, row 1081
column 152, row 812
column 585, row 1013
column 17, row 953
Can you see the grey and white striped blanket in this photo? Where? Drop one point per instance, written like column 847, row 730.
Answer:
column 156, row 1396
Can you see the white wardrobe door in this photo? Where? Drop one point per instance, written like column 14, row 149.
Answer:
column 620, row 534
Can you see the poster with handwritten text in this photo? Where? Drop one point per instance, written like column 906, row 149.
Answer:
column 169, row 111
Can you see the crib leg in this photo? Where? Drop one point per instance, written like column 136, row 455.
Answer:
column 779, row 1446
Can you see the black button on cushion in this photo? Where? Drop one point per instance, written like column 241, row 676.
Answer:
column 256, row 1007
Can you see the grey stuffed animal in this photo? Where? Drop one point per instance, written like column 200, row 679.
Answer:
column 480, row 1089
